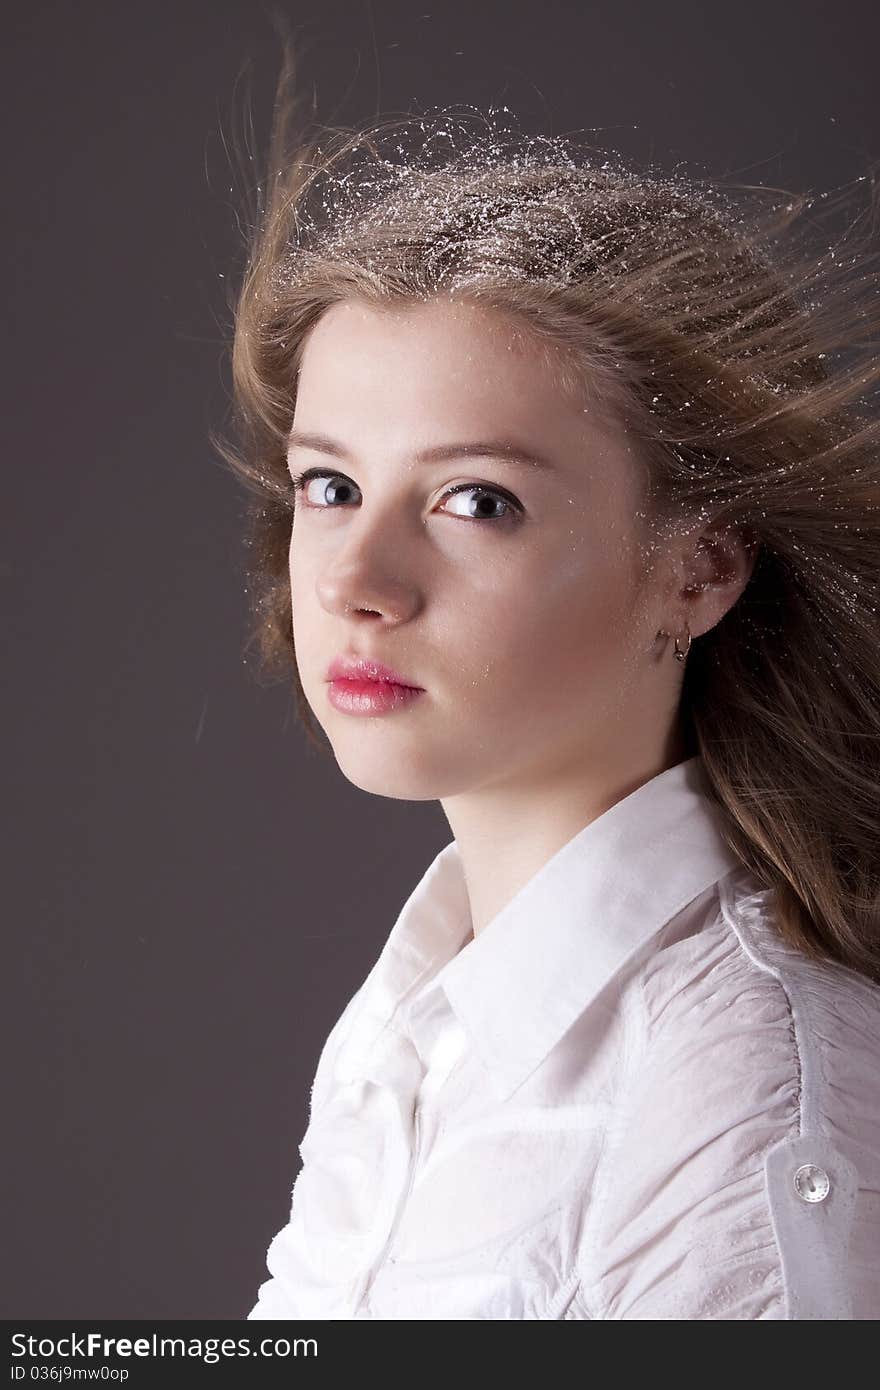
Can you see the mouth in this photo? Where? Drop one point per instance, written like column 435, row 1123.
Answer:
column 370, row 696
column 357, row 685
column 365, row 671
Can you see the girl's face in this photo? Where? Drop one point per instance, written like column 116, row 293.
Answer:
column 520, row 603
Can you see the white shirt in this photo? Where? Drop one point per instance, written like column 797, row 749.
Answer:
column 626, row 1097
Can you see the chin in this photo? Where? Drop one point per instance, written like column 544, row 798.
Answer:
column 391, row 773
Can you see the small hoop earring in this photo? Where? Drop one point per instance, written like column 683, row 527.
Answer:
column 680, row 653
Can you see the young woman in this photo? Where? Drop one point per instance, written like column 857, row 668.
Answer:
column 568, row 519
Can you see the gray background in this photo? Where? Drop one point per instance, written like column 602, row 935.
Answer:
column 192, row 894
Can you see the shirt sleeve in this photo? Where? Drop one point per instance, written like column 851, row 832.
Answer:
column 726, row 1190
column 277, row 1296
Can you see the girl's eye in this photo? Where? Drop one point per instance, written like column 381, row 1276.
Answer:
column 483, row 503
column 479, row 510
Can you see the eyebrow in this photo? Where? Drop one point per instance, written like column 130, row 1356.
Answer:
column 439, row 453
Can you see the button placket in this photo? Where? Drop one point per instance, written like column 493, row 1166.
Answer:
column 812, row 1188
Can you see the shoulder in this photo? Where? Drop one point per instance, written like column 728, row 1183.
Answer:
column 742, row 1177
column 342, row 1036
column 725, row 985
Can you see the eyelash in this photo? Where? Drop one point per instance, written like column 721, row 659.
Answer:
column 299, row 481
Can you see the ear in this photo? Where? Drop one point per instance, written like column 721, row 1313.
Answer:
column 714, row 565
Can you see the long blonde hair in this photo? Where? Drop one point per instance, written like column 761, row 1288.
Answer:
column 733, row 333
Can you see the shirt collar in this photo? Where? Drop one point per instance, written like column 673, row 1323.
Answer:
column 527, row 976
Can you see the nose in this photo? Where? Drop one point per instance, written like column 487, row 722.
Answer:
column 366, row 574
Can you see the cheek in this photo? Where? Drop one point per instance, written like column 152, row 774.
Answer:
column 304, row 560
column 579, row 590
column 554, row 628
column 304, row 615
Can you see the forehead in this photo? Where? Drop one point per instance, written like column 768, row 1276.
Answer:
column 439, row 332
column 438, row 358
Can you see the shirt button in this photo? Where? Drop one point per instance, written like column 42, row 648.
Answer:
column 812, row 1183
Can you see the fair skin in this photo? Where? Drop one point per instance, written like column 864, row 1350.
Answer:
column 533, row 627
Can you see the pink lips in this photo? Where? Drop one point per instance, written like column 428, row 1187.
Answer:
column 360, row 668
column 360, row 686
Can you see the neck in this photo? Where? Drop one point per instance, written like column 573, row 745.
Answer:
column 506, row 833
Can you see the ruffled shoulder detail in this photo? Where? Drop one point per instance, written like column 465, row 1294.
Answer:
column 745, row 1057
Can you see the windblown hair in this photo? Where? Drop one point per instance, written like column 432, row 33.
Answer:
column 736, row 338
